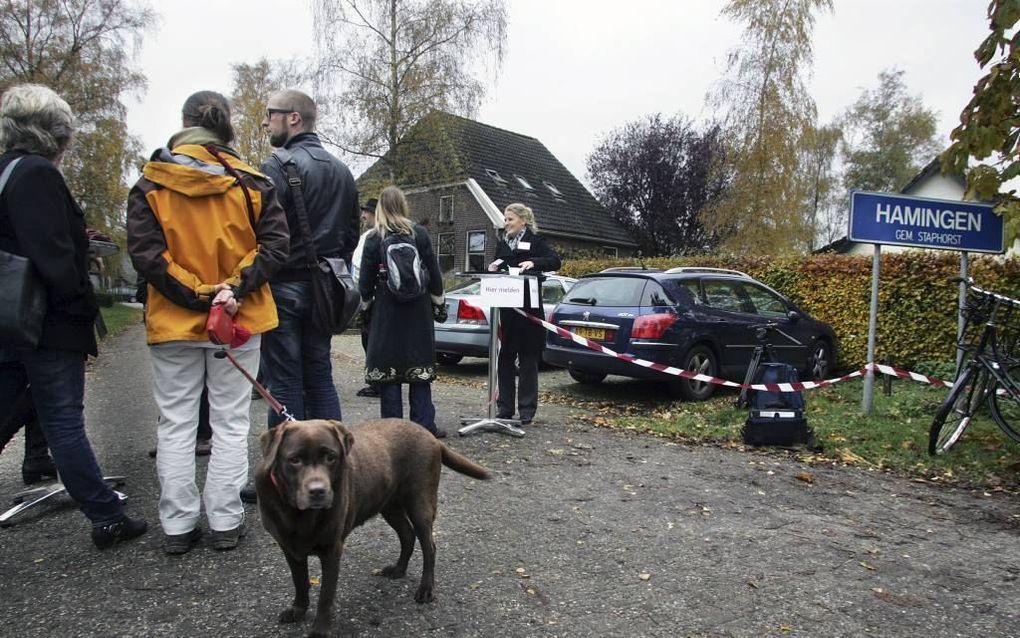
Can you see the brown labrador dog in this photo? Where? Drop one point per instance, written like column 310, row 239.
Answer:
column 318, row 480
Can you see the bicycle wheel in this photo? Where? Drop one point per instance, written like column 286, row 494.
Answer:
column 955, row 413
column 1005, row 409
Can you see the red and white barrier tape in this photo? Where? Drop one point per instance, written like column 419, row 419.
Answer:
column 768, row 387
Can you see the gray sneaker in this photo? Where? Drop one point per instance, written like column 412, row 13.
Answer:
column 227, row 540
column 181, row 543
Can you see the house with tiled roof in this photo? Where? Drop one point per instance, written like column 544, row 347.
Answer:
column 459, row 175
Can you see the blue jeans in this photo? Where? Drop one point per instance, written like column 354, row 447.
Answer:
column 58, row 390
column 295, row 358
column 419, row 395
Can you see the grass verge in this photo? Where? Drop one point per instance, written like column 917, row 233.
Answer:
column 894, row 437
column 118, row 317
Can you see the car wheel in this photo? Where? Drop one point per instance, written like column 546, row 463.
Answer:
column 821, row 360
column 586, row 378
column 448, row 359
column 698, row 359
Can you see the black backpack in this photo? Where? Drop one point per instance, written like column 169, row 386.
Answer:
column 406, row 276
column 777, row 418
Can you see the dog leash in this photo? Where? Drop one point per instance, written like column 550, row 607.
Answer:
column 277, row 407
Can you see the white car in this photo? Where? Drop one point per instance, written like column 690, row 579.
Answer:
column 465, row 333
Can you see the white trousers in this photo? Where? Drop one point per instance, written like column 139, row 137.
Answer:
column 179, row 371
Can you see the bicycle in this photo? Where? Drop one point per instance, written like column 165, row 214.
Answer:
column 989, row 372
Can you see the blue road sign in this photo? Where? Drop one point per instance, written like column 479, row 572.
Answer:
column 888, row 218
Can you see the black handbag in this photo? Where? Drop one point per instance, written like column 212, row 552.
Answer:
column 335, row 296
column 22, row 295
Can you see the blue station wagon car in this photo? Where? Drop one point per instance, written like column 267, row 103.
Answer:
column 699, row 319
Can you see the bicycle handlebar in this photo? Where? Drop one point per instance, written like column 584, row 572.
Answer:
column 969, row 283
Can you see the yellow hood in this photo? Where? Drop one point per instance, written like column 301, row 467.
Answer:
column 192, row 171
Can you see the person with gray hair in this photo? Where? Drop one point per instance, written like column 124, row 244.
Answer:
column 40, row 220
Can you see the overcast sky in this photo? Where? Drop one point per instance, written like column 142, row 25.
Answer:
column 577, row 69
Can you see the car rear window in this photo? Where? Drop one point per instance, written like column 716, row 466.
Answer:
column 607, row 291
column 655, row 295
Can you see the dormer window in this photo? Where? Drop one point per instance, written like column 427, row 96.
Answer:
column 496, row 177
column 524, row 183
column 552, row 189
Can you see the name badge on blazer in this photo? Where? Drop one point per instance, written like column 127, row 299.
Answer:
column 524, row 245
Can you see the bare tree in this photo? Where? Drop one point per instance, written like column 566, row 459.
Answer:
column 385, row 64
column 768, row 111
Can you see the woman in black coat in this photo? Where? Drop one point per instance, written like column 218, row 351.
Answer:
column 41, row 221
column 522, row 247
column 401, row 337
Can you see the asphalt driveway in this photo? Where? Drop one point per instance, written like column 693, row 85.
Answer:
column 583, row 532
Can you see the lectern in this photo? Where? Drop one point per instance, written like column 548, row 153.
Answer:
column 500, row 290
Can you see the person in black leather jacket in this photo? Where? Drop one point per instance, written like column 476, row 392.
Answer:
column 296, row 356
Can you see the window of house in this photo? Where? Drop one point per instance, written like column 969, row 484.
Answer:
column 476, row 250
column 496, row 177
column 524, row 183
column 446, row 208
column 552, row 189
column 446, row 251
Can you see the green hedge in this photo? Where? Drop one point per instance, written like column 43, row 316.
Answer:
column 916, row 311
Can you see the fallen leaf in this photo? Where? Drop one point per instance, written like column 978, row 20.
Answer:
column 786, row 628
column 866, row 566
column 644, row 576
column 807, row 477
column 474, row 585
column 314, row 580
column 752, row 584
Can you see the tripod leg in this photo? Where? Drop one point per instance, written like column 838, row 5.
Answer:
column 752, row 370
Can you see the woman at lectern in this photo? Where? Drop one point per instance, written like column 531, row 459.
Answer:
column 522, row 340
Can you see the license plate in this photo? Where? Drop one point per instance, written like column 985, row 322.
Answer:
column 597, row 334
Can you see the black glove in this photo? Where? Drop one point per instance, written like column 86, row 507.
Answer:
column 439, row 313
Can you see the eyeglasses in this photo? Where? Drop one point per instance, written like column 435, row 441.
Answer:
column 271, row 112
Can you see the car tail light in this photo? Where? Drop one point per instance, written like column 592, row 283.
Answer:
column 652, row 326
column 467, row 313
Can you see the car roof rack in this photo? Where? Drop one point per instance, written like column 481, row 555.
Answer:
column 717, row 271
column 630, row 269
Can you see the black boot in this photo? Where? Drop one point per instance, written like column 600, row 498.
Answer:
column 38, row 470
column 37, row 466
